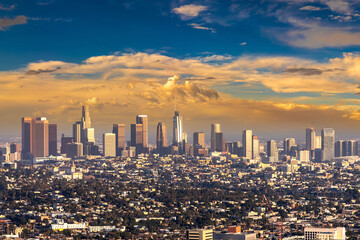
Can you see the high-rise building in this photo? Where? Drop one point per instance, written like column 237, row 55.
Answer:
column 64, row 142
column 119, row 131
column 143, row 119
column 74, row 149
column 199, row 139
column 220, row 142
column 109, row 144
column 85, row 120
column 215, row 128
column 328, row 143
column 317, row 142
column 136, row 139
column 310, row 139
column 339, row 148
column 35, row 137
column 14, row 148
column 177, row 128
column 352, row 148
column 26, row 125
column 52, row 139
column 304, row 155
column 288, row 143
column 255, row 147
column 247, row 143
column 161, row 138
column 199, row 234
column 272, row 151
column 89, row 135
column 77, row 132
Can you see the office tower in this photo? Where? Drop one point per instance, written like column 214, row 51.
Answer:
column 304, row 155
column 26, row 128
column 64, row 142
column 161, row 138
column 199, row 139
column 74, row 150
column 328, row 143
column 215, row 128
column 236, row 147
column 247, row 143
column 220, row 142
column 136, row 138
column 272, row 151
column 184, row 137
column 119, row 131
column 339, row 148
column 255, row 147
column 77, row 132
column 14, row 148
column 177, row 128
column 89, row 135
column 143, row 119
column 52, row 139
column 317, row 142
column 109, row 144
column 40, row 137
column 310, row 139
column 351, row 148
column 288, row 143
column 85, row 120
column 324, row 233
column 199, row 234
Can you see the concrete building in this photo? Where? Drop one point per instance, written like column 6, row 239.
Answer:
column 74, row 150
column 272, row 150
column 199, row 234
column 255, row 147
column 109, row 144
column 310, row 139
column 324, row 233
column 143, row 120
column 328, row 143
column 161, row 138
column 35, row 137
column 247, row 143
column 199, row 139
column 53, row 140
column 119, row 131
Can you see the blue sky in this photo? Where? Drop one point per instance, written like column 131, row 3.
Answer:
column 282, row 61
column 75, row 30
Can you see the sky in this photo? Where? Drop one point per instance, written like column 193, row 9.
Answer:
column 273, row 66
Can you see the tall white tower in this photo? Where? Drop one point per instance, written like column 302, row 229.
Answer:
column 177, row 128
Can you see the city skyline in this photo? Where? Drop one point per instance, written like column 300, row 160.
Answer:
column 279, row 66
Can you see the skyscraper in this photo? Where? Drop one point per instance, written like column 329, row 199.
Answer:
column 119, row 131
column 339, row 148
column 40, row 137
column 109, row 144
column 161, row 138
column 288, row 143
column 220, row 142
column 86, row 122
column 199, row 139
column 136, row 139
column 327, row 143
column 215, row 128
column 255, row 147
column 272, row 151
column 143, row 119
column 64, row 142
column 247, row 143
column 177, row 128
column 310, row 139
column 52, row 139
column 26, row 128
column 77, row 131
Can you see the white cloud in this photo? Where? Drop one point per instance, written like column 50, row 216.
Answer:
column 189, row 11
column 7, row 8
column 199, row 26
column 310, row 8
column 7, row 22
column 243, row 43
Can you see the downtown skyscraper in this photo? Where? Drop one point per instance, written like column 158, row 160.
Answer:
column 310, row 139
column 215, row 128
column 177, row 128
column 119, row 131
column 161, row 138
column 247, row 143
column 328, row 143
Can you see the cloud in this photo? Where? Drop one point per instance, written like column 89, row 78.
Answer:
column 340, row 6
column 304, row 71
column 310, row 8
column 8, row 22
column 7, row 8
column 39, row 71
column 189, row 11
column 243, row 43
column 199, row 26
